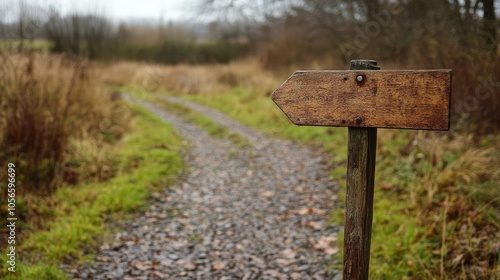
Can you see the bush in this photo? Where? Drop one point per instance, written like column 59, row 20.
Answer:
column 176, row 52
column 50, row 104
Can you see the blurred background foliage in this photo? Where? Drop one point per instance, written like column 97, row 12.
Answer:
column 456, row 34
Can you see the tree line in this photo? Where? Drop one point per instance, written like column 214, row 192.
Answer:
column 349, row 26
column 457, row 34
column 96, row 36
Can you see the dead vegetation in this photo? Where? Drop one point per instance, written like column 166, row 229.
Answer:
column 56, row 126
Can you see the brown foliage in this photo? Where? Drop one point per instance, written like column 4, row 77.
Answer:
column 49, row 105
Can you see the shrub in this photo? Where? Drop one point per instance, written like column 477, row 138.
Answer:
column 49, row 105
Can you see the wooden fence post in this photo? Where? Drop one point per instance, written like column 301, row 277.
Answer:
column 361, row 153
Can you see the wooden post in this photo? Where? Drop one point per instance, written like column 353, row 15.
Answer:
column 361, row 153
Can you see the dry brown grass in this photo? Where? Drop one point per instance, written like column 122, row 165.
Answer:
column 51, row 110
column 190, row 79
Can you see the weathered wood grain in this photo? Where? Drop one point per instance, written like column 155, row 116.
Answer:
column 359, row 202
column 411, row 99
column 360, row 181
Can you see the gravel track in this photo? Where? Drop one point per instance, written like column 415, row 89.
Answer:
column 256, row 212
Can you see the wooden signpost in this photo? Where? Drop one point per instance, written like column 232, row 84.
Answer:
column 364, row 100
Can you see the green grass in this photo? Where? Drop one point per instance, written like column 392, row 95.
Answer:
column 149, row 159
column 206, row 123
column 258, row 110
column 190, row 115
column 40, row 45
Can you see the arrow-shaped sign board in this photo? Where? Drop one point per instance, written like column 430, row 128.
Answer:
column 411, row 99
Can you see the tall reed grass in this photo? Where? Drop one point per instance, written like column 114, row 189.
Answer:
column 54, row 119
column 190, row 79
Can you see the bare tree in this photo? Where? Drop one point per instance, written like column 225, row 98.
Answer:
column 31, row 18
column 490, row 24
column 79, row 34
column 338, row 21
column 96, row 30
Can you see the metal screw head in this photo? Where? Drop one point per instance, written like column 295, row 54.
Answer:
column 359, row 78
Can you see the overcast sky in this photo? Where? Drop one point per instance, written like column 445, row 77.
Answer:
column 124, row 9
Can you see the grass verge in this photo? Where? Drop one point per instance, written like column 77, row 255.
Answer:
column 206, row 123
column 189, row 115
column 148, row 159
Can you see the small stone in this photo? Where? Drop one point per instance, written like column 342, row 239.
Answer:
column 173, row 257
column 303, row 268
column 337, row 277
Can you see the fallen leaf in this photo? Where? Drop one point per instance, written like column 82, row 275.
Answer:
column 218, row 265
column 318, row 211
column 304, row 211
column 275, row 274
column 285, row 216
column 141, row 265
column 457, row 259
column 289, row 253
column 326, row 244
column 332, row 251
column 258, row 260
column 159, row 274
column 268, row 194
column 314, row 225
column 285, row 262
column 190, row 266
column 331, row 238
column 156, row 194
column 298, row 189
column 386, row 187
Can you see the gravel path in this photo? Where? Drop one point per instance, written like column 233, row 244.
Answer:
column 257, row 212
